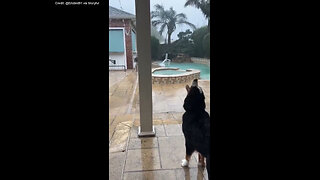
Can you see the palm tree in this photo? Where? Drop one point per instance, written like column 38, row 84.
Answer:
column 168, row 19
column 203, row 5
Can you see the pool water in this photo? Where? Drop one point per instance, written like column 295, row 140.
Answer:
column 167, row 72
column 204, row 69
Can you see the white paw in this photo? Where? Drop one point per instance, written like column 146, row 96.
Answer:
column 184, row 163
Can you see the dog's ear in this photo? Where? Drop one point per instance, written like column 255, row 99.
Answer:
column 195, row 83
column 187, row 88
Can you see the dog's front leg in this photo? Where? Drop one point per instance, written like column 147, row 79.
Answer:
column 185, row 162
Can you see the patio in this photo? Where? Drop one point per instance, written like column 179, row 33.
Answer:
column 156, row 157
column 139, row 109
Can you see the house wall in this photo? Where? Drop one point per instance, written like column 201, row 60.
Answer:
column 128, row 41
column 120, row 59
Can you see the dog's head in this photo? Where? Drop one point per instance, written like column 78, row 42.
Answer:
column 195, row 97
column 195, row 88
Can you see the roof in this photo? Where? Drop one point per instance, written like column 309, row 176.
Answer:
column 115, row 13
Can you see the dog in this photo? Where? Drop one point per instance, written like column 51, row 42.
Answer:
column 196, row 126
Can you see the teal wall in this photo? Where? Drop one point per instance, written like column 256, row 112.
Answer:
column 133, row 37
column 116, row 41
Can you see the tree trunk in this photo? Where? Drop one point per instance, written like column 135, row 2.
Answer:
column 209, row 24
column 165, row 39
column 169, row 38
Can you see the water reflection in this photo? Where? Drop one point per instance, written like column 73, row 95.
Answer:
column 147, row 158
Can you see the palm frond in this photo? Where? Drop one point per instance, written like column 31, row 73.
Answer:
column 159, row 7
column 155, row 14
column 195, row 3
column 162, row 27
column 203, row 5
column 181, row 15
column 187, row 23
column 157, row 22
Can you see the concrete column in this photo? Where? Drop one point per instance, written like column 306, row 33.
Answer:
column 144, row 71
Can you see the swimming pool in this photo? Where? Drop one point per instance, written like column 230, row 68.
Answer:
column 204, row 69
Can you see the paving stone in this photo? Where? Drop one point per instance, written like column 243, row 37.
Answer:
column 134, row 132
column 111, row 118
column 178, row 115
column 171, row 122
column 157, row 122
column 142, row 143
column 110, row 135
column 151, row 175
column 116, row 162
column 119, row 138
column 142, row 159
column 190, row 173
column 124, row 125
column 154, row 122
column 119, row 92
column 173, row 130
column 160, row 130
column 176, row 108
column 172, row 151
column 162, row 116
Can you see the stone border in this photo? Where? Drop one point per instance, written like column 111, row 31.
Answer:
column 189, row 75
column 200, row 60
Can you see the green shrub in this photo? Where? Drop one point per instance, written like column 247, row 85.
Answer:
column 154, row 48
column 168, row 48
column 194, row 44
column 198, row 37
column 184, row 44
column 206, row 45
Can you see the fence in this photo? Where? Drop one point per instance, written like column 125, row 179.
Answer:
column 117, row 67
column 114, row 66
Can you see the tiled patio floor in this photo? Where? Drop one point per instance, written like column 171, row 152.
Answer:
column 155, row 158
column 158, row 157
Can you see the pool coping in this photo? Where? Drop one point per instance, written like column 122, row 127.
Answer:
column 187, row 72
column 188, row 75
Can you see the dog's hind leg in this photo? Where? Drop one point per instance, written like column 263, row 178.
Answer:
column 201, row 160
column 189, row 151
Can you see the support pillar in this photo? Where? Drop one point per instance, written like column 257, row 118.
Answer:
column 144, row 71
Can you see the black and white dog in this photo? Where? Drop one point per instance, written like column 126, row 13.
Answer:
column 196, row 126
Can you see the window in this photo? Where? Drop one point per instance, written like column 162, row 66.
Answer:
column 116, row 42
column 133, row 39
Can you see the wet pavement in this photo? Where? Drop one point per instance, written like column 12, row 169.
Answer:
column 151, row 158
column 155, row 157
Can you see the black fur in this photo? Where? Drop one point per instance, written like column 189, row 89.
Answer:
column 196, row 125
